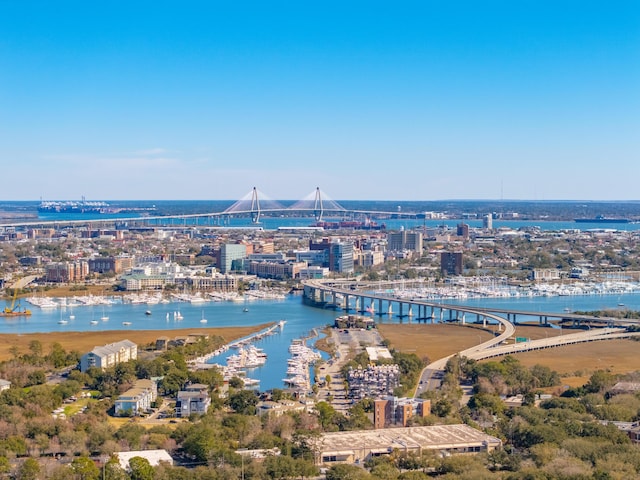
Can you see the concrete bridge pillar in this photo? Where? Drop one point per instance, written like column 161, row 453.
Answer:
column 390, row 311
column 463, row 318
column 400, row 308
column 380, row 307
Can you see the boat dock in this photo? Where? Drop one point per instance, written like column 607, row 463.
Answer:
column 200, row 363
column 298, row 374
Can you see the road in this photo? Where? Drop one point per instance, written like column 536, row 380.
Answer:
column 431, row 376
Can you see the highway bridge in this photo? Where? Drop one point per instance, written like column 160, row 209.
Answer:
column 365, row 297
column 354, row 296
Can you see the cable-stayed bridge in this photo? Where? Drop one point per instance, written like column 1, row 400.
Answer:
column 254, row 204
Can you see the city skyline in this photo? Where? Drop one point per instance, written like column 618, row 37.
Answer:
column 419, row 101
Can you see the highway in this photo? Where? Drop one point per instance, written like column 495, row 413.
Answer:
column 432, row 374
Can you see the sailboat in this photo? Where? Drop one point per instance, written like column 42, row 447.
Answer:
column 104, row 317
column 62, row 321
column 203, row 320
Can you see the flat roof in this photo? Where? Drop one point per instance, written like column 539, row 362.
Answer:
column 431, row 437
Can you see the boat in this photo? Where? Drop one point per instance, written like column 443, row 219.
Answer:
column 72, row 317
column 93, row 322
column 177, row 315
column 73, row 206
column 104, row 317
column 148, row 312
column 203, row 320
column 62, row 322
column 126, row 323
column 245, row 309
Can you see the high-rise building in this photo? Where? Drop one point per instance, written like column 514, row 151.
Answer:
column 229, row 252
column 487, row 222
column 463, row 230
column 340, row 256
column 451, row 263
column 405, row 240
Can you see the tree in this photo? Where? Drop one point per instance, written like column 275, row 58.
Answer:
column 244, row 402
column 29, row 470
column 84, row 469
column 141, row 469
column 346, row 472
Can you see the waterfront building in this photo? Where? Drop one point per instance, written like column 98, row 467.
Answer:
column 230, row 252
column 487, row 222
column 193, row 399
column 278, row 270
column 115, row 265
column 67, row 271
column 545, row 274
column 388, row 411
column 451, row 263
column 109, row 355
column 137, row 399
column 137, row 281
column 362, row 445
column 314, row 272
column 214, row 281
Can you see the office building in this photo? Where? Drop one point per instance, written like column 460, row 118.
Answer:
column 230, row 253
column 405, row 240
column 451, row 263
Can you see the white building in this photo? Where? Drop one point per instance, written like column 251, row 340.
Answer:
column 109, row 355
column 137, row 399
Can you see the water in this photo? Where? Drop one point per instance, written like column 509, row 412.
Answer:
column 301, row 319
column 550, row 209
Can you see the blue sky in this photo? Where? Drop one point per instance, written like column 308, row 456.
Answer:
column 426, row 100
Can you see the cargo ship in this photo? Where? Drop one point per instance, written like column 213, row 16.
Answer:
column 602, row 219
column 73, row 206
column 352, row 224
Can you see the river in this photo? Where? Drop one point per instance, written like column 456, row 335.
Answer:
column 300, row 319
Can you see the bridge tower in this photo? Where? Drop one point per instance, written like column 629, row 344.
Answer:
column 255, row 206
column 317, row 205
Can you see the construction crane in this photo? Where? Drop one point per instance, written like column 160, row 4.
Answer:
column 14, row 309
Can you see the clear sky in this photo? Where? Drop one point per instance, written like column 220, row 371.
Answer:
column 533, row 100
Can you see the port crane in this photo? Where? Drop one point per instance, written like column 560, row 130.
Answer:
column 14, row 309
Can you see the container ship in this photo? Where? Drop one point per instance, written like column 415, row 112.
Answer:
column 74, row 207
column 602, row 219
column 353, row 224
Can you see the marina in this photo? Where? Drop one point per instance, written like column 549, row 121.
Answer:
column 300, row 320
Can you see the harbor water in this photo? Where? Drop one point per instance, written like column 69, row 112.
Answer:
column 300, row 320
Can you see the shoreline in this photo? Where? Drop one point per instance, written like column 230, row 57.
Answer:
column 85, row 341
